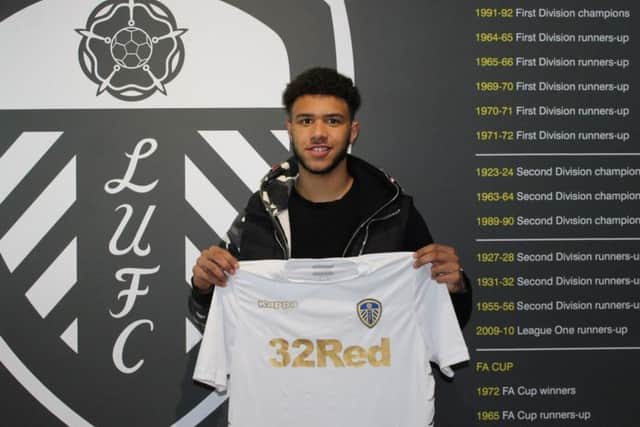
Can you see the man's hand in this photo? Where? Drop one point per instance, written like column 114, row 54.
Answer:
column 211, row 266
column 445, row 265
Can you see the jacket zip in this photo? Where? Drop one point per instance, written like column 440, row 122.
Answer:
column 366, row 230
column 284, row 250
column 282, row 244
column 366, row 221
column 278, row 232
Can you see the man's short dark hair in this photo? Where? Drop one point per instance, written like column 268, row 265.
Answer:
column 322, row 81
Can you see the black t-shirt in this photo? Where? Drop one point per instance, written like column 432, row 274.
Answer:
column 322, row 230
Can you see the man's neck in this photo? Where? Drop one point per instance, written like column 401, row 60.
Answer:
column 319, row 188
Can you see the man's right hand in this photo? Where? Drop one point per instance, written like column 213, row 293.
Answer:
column 211, row 266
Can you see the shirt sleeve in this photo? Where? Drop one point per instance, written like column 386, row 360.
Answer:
column 214, row 358
column 437, row 321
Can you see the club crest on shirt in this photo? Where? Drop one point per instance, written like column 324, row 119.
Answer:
column 369, row 312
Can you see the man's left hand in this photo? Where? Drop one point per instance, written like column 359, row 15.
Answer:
column 445, row 267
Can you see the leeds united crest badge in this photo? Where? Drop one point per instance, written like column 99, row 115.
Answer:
column 369, row 311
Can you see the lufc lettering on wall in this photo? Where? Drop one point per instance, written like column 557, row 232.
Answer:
column 143, row 149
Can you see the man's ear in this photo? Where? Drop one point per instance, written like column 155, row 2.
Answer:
column 288, row 124
column 355, row 131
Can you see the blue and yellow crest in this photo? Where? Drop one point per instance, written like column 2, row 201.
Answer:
column 369, row 311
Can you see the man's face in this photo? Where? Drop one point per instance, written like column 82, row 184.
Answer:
column 321, row 129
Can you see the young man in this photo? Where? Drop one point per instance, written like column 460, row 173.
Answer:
column 324, row 202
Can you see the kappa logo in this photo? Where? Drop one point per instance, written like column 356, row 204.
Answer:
column 277, row 305
column 369, row 312
column 131, row 49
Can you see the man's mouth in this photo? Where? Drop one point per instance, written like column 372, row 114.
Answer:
column 319, row 150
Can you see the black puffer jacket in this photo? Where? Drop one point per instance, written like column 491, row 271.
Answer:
column 391, row 224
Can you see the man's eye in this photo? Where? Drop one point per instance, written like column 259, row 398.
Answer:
column 305, row 121
column 333, row 121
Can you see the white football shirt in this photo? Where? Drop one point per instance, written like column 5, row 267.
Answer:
column 330, row 342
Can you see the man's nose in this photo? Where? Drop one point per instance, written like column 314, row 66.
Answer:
column 319, row 130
